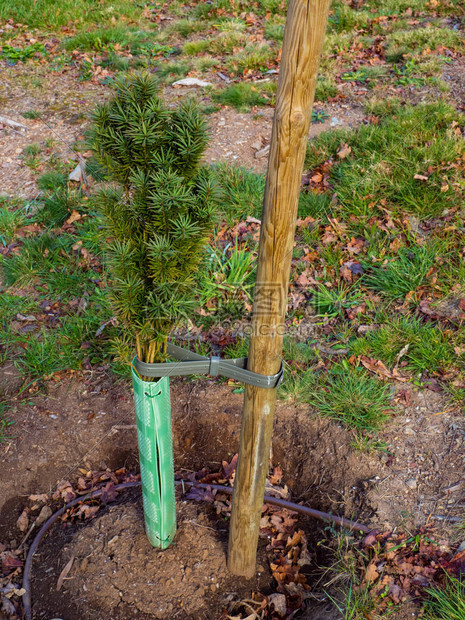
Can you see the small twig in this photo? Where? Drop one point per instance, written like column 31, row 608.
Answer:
column 26, row 536
column 329, row 350
column 121, row 427
column 207, row 527
column 10, row 123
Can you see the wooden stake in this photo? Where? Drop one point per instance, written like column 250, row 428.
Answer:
column 303, row 41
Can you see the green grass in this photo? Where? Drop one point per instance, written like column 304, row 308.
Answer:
column 52, row 181
column 10, row 220
column 333, row 302
column 353, row 599
column 256, row 57
column 186, row 27
column 403, row 43
column 32, row 114
column 5, row 423
column 45, row 13
column 395, row 277
column 61, row 270
column 274, row 29
column 32, row 149
column 385, row 158
column 348, row 395
column 351, row 396
column 103, row 39
column 447, row 603
column 243, row 191
column 429, row 350
column 227, row 281
column 325, row 89
column 243, row 96
column 58, row 206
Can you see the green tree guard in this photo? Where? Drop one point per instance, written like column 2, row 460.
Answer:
column 153, row 413
column 158, row 206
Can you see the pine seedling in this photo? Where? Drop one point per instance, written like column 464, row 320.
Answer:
column 158, row 207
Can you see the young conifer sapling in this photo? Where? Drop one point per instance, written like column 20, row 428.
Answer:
column 159, row 204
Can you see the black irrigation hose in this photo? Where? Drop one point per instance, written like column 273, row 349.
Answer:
column 310, row 512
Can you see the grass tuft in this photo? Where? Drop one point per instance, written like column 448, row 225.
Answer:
column 405, row 163
column 244, row 95
column 402, row 274
column 447, row 603
column 429, row 348
column 353, row 397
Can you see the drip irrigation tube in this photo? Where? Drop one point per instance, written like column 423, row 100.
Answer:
column 310, row 512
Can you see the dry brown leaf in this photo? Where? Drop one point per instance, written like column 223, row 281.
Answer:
column 371, row 573
column 64, row 573
column 23, row 520
column 344, row 151
column 74, row 217
column 38, row 498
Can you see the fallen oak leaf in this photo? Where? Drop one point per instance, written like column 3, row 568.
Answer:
column 74, row 217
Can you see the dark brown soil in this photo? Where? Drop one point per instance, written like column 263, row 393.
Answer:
column 88, row 421
column 116, row 573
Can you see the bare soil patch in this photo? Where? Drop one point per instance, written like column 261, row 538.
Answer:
column 87, row 421
column 117, row 574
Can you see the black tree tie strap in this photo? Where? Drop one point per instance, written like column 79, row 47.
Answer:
column 195, row 364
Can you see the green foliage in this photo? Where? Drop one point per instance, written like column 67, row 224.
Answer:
column 51, row 181
column 32, row 149
column 32, row 114
column 4, row 421
column 400, row 44
column 425, row 347
column 351, row 396
column 400, row 275
column 313, row 204
column 44, row 260
column 46, row 13
column 227, row 281
column 334, row 302
column 134, row 131
column 159, row 213
column 15, row 54
column 274, row 29
column 103, row 39
column 243, row 96
column 252, row 57
column 446, row 603
column 385, row 159
column 185, row 27
column 325, row 88
column 10, row 220
column 243, row 191
column 57, row 207
column 191, row 48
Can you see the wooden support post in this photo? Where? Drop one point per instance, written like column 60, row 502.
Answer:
column 303, row 42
